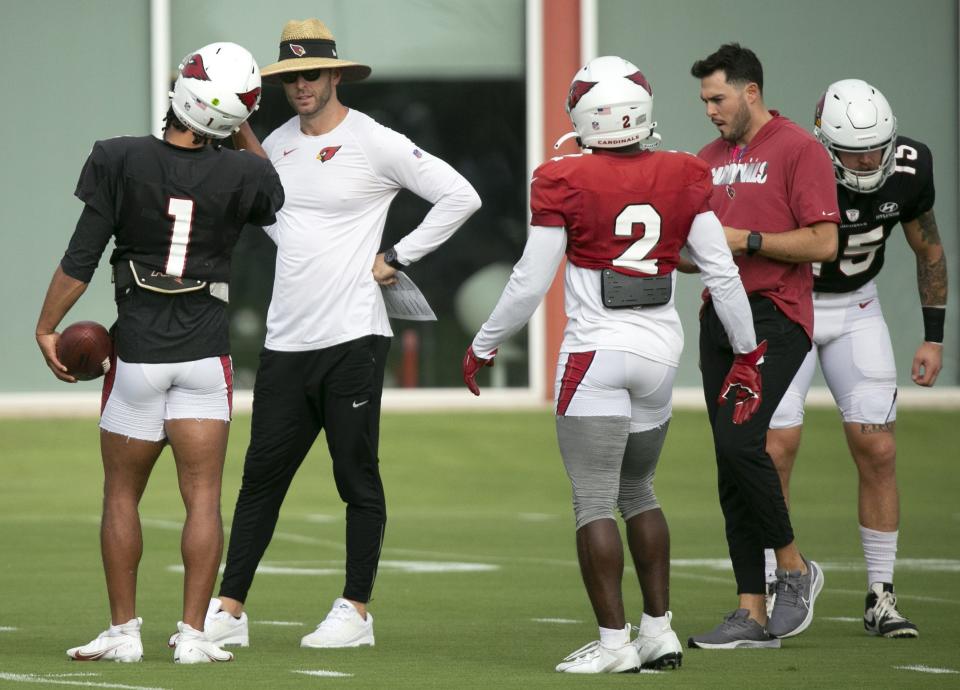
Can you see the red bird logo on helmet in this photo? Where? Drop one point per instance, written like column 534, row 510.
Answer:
column 193, row 68
column 250, row 98
column 327, row 153
column 640, row 80
column 578, row 90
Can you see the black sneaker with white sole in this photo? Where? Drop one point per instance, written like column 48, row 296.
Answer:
column 881, row 616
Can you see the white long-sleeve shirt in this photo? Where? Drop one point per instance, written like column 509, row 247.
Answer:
column 653, row 332
column 338, row 189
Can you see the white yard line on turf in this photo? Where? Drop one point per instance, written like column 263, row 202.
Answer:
column 926, row 669
column 555, row 620
column 325, row 674
column 841, row 619
column 287, row 623
column 31, row 678
column 7, row 628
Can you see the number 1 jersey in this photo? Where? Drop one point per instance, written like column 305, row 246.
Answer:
column 173, row 210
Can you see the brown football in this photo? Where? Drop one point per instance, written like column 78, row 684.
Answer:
column 84, row 349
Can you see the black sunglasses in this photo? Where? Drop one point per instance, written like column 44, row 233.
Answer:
column 309, row 75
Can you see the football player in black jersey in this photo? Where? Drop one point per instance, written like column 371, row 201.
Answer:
column 174, row 208
column 882, row 179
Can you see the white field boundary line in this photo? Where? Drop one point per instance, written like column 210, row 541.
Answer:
column 324, row 673
column 32, row 678
column 86, row 403
column 926, row 669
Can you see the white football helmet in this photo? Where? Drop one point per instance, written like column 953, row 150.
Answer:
column 852, row 116
column 217, row 89
column 610, row 103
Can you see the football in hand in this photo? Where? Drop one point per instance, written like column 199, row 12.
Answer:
column 84, row 348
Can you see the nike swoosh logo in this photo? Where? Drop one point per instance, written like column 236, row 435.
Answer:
column 863, row 305
column 360, row 404
column 287, row 152
column 93, row 657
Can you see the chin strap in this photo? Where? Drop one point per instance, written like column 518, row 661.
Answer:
column 651, row 142
column 568, row 135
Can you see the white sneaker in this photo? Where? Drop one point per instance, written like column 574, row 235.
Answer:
column 657, row 645
column 194, row 648
column 221, row 628
column 116, row 643
column 343, row 627
column 595, row 658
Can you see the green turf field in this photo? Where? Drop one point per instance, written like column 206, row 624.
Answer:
column 478, row 585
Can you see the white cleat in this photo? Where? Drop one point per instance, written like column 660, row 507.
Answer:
column 221, row 628
column 343, row 627
column 194, row 648
column 116, row 643
column 595, row 658
column 658, row 646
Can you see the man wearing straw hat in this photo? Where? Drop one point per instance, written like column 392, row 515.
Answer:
column 323, row 361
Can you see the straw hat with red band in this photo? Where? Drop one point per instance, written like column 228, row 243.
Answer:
column 307, row 44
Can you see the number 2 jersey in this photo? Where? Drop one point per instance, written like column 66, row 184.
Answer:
column 866, row 220
column 630, row 213
column 173, row 210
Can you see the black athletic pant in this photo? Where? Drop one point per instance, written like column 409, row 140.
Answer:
column 297, row 394
column 750, row 495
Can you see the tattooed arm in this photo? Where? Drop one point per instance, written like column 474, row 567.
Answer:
column 924, row 239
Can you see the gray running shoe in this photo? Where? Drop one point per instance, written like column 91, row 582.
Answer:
column 738, row 631
column 793, row 608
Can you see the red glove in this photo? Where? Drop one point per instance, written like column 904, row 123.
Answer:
column 471, row 365
column 744, row 379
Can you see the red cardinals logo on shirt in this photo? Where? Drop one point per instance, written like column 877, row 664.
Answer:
column 327, row 153
column 250, row 98
column 193, row 68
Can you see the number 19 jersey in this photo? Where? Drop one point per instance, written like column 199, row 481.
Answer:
column 630, row 213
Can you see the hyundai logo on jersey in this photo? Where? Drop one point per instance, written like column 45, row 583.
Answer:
column 889, row 207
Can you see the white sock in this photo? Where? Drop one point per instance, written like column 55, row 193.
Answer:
column 770, row 565
column 880, row 552
column 614, row 639
column 653, row 624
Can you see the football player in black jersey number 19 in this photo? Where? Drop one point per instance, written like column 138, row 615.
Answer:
column 882, row 179
column 175, row 208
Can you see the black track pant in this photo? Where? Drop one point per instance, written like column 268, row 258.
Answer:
column 750, row 495
column 297, row 394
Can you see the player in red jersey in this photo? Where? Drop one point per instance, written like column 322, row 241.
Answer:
column 620, row 212
column 774, row 193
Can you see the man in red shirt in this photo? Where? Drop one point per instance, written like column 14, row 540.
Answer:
column 774, row 193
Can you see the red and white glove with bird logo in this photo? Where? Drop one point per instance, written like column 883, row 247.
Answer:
column 744, row 380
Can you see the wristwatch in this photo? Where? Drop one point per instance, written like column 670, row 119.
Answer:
column 391, row 260
column 754, row 242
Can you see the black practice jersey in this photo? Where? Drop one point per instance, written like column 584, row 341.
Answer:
column 866, row 220
column 177, row 211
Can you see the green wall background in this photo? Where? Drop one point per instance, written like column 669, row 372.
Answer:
column 78, row 70
column 907, row 50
